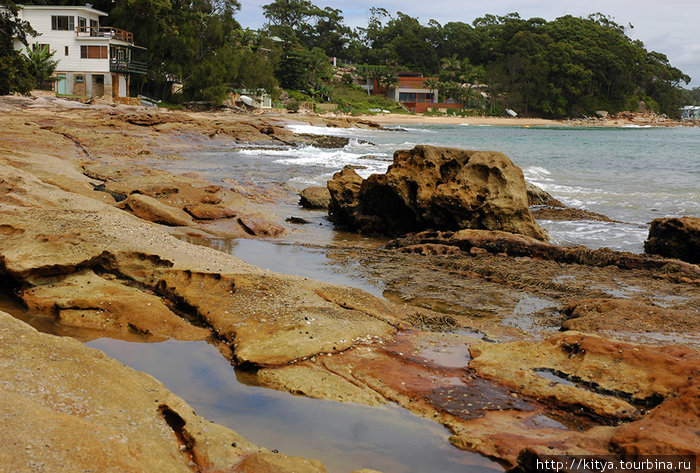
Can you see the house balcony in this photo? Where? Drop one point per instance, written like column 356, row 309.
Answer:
column 107, row 32
column 127, row 66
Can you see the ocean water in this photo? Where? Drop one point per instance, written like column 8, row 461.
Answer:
column 631, row 174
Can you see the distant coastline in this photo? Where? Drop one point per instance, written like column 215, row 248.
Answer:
column 395, row 118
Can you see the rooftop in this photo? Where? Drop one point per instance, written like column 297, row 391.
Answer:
column 84, row 8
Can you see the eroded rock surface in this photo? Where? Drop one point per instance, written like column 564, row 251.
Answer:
column 69, row 252
column 435, row 188
column 67, row 408
column 675, row 238
column 267, row 318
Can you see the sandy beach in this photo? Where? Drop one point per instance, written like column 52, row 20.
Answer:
column 638, row 119
column 453, row 120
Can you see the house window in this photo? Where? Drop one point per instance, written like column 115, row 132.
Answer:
column 93, row 52
column 42, row 47
column 65, row 48
column 79, row 79
column 62, row 23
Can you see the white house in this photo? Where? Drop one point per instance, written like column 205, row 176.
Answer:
column 93, row 60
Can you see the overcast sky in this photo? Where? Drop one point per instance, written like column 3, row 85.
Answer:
column 668, row 26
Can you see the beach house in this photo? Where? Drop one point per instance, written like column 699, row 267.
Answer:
column 690, row 112
column 93, row 60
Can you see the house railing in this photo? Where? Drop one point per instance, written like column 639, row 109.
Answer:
column 104, row 32
column 124, row 66
column 413, row 82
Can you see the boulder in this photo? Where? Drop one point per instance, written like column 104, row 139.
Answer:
column 314, row 198
column 538, row 196
column 152, row 209
column 675, row 238
column 435, row 188
column 205, row 211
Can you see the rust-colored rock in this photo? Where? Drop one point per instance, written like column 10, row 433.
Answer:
column 607, row 377
column 315, row 198
column 436, row 188
column 675, row 238
column 267, row 462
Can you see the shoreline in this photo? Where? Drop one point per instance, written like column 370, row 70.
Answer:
column 85, row 222
column 401, row 119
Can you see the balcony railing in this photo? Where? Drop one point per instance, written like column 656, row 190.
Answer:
column 104, row 32
column 124, row 66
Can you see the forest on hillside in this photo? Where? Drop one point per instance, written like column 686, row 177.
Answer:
column 565, row 67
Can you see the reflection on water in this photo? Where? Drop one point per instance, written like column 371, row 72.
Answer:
column 343, row 436
column 320, row 264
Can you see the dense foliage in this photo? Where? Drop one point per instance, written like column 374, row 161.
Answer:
column 565, row 67
column 15, row 73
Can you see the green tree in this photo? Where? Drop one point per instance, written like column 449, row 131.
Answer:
column 432, row 84
column 41, row 62
column 15, row 74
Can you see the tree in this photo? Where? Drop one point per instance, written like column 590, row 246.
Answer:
column 15, row 75
column 388, row 79
column 432, row 84
column 41, row 62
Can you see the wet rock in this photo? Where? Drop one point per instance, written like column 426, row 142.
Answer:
column 675, row 238
column 173, row 200
column 204, row 211
column 608, row 378
column 297, row 220
column 671, row 428
column 436, row 188
column 510, row 244
column 537, row 196
column 71, row 408
column 315, row 198
column 153, row 210
column 257, row 225
column 568, row 213
column 624, row 315
column 322, row 141
column 267, row 318
column 85, row 299
column 115, row 195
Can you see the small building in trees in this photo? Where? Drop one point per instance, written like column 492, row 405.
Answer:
column 417, row 93
column 411, row 90
column 690, row 112
column 93, row 60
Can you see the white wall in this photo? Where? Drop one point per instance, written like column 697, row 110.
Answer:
column 40, row 19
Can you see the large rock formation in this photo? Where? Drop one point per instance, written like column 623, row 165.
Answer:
column 676, row 238
column 436, row 188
